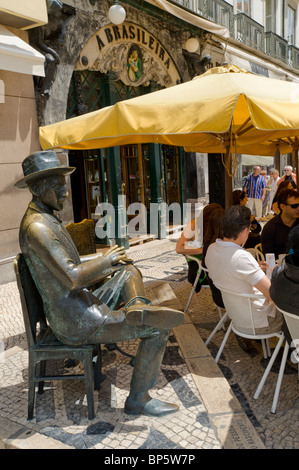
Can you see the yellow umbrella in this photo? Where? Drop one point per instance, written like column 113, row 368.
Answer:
column 225, row 109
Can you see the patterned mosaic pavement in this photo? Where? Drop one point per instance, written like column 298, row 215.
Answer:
column 61, row 411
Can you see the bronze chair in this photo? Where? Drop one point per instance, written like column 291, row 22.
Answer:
column 43, row 344
column 83, row 235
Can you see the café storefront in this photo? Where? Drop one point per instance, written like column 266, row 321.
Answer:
column 117, row 63
column 100, row 64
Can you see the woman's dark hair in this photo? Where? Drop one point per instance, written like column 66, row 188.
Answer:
column 213, row 226
column 207, row 212
column 283, row 185
column 234, row 220
column 238, row 196
column 293, row 246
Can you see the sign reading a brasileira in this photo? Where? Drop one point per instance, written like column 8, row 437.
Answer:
column 130, row 51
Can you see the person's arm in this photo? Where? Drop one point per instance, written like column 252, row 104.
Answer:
column 264, row 188
column 181, row 246
column 264, row 287
column 267, row 238
column 48, row 248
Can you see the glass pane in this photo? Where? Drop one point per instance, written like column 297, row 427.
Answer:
column 243, row 6
column 171, row 173
column 291, row 25
column 92, row 178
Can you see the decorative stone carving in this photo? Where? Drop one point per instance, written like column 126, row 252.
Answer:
column 116, row 59
column 135, row 55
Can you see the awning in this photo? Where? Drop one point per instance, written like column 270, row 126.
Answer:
column 252, row 63
column 257, row 160
column 18, row 56
column 191, row 18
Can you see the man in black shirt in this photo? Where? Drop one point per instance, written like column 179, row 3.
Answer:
column 276, row 231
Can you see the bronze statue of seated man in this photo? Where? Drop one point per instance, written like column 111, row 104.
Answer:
column 119, row 310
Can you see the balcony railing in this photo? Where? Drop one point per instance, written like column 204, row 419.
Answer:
column 244, row 29
column 249, row 32
column 218, row 11
column 294, row 57
column 276, row 47
column 186, row 3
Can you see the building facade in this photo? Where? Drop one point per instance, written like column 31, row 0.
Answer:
column 94, row 68
column 91, row 62
column 19, row 63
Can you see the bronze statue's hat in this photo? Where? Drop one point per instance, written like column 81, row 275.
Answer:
column 39, row 165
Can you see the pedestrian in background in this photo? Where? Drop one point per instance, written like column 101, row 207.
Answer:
column 273, row 183
column 266, row 200
column 289, row 176
column 255, row 187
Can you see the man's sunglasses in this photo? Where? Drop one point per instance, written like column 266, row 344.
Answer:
column 293, row 206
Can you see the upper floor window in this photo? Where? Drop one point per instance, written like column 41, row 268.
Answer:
column 291, row 25
column 270, row 15
column 243, row 6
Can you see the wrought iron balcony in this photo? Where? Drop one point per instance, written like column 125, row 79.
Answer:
column 244, row 29
column 218, row 11
column 294, row 57
column 249, row 32
column 276, row 47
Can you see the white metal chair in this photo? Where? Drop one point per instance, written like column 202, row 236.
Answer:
column 292, row 322
column 239, row 309
column 257, row 254
column 220, row 324
column 200, row 269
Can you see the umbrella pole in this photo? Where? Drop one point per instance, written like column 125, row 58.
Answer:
column 228, row 181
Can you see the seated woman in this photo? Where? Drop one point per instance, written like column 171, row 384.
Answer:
column 284, row 289
column 187, row 236
column 254, row 237
column 212, row 232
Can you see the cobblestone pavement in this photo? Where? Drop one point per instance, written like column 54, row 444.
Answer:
column 215, row 412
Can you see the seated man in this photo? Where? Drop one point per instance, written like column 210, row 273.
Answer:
column 116, row 311
column 234, row 269
column 276, row 231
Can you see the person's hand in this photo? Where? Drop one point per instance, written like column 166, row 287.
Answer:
column 117, row 255
column 263, row 265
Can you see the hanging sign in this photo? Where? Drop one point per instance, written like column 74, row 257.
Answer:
column 132, row 52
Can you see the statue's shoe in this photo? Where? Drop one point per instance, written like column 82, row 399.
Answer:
column 153, row 407
column 153, row 315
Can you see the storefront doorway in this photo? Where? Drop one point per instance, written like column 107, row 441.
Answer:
column 139, row 173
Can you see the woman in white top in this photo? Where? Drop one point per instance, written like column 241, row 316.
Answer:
column 274, row 178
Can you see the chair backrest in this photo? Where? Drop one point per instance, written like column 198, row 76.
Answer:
column 83, row 235
column 239, row 309
column 257, row 254
column 259, row 248
column 292, row 322
column 31, row 301
column 193, row 258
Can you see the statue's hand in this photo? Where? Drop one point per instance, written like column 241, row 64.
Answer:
column 117, row 255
